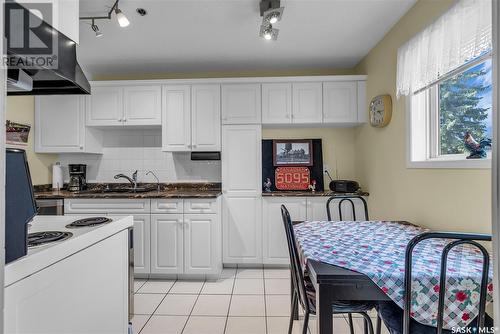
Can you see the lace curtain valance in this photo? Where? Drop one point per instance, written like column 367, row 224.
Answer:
column 460, row 35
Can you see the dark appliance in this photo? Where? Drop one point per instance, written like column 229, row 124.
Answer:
column 50, row 207
column 47, row 237
column 88, row 222
column 20, row 205
column 77, row 177
column 205, row 156
column 344, row 186
column 35, row 79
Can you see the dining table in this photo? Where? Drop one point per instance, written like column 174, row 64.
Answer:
column 365, row 261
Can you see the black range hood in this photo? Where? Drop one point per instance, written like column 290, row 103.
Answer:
column 65, row 78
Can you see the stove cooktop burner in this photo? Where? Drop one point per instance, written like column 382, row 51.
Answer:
column 86, row 222
column 42, row 238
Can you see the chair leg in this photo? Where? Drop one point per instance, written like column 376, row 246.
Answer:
column 351, row 325
column 294, row 302
column 379, row 325
column 368, row 322
column 306, row 323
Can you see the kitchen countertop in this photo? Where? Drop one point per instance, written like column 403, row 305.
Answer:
column 180, row 190
column 310, row 194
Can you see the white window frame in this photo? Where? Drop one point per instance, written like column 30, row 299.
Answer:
column 422, row 125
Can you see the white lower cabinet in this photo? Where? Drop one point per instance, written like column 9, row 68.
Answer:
column 275, row 250
column 167, row 244
column 242, row 230
column 171, row 236
column 316, row 208
column 202, row 244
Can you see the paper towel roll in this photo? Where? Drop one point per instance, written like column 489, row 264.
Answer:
column 57, row 176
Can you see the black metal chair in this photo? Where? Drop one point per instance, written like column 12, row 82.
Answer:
column 346, row 199
column 303, row 289
column 350, row 199
column 458, row 239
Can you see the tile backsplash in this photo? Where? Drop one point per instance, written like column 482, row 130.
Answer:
column 125, row 151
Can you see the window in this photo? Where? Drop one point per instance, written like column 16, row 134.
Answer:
column 451, row 115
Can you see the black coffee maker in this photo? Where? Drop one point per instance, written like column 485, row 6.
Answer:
column 77, row 177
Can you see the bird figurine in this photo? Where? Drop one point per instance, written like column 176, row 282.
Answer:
column 476, row 150
column 267, row 185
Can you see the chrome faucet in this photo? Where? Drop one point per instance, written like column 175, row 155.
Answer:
column 157, row 180
column 133, row 180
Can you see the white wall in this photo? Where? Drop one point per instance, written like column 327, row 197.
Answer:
column 125, row 151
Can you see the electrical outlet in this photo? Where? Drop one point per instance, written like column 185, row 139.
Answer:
column 326, row 168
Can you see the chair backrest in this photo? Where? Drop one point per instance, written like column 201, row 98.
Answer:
column 350, row 201
column 296, row 268
column 458, row 239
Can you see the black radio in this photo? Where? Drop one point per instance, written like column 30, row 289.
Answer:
column 344, row 186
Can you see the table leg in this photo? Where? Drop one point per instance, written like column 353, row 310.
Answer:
column 324, row 312
column 294, row 305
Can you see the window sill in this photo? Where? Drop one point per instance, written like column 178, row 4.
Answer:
column 454, row 162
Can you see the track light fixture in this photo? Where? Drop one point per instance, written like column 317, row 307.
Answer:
column 271, row 13
column 120, row 17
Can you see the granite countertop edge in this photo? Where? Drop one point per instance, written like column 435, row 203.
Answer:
column 310, row 194
column 201, row 190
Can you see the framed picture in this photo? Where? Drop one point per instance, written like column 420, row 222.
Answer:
column 17, row 133
column 292, row 152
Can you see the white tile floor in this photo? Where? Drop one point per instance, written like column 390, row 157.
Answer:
column 242, row 301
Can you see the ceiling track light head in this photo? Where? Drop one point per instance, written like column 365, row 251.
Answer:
column 95, row 28
column 273, row 15
column 122, row 19
column 268, row 32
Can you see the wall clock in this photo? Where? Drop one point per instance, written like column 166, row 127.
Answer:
column 380, row 111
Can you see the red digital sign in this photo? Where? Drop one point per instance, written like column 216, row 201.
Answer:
column 292, row 178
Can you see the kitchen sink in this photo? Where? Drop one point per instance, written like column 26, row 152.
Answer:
column 126, row 190
column 116, row 190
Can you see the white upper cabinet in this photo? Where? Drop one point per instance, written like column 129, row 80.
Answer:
column 205, row 118
column 307, row 106
column 106, row 106
column 142, row 105
column 191, row 118
column 176, row 118
column 340, row 102
column 241, row 104
column 276, row 103
column 125, row 105
column 60, row 126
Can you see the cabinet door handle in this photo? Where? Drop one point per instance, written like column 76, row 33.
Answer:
column 124, row 120
column 81, row 147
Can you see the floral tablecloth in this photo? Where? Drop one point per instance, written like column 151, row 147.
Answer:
column 377, row 249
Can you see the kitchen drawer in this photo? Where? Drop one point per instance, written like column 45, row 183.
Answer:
column 106, row 206
column 166, row 206
column 201, row 205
